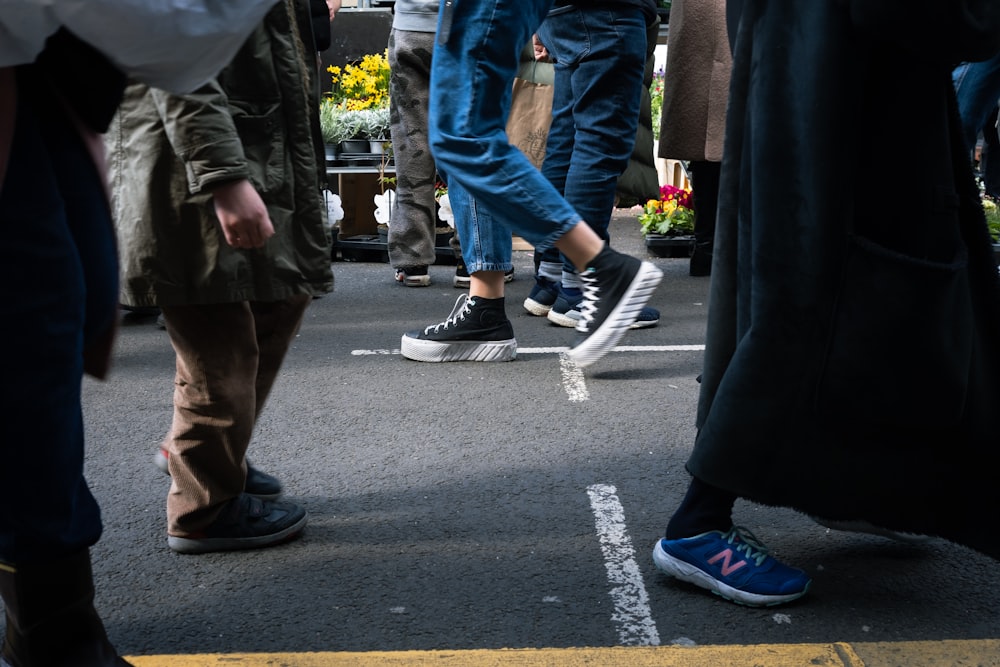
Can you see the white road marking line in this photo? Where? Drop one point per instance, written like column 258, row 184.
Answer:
column 573, row 381
column 560, row 350
column 659, row 348
column 632, row 614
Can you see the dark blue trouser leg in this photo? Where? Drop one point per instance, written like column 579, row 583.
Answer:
column 57, row 270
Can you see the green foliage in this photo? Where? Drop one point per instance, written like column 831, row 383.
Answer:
column 334, row 127
column 374, row 123
column 656, row 101
column 671, row 215
column 680, row 223
column 992, row 212
column 338, row 124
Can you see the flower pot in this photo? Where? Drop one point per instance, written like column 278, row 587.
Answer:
column 376, row 146
column 331, row 151
column 442, row 239
column 670, row 246
column 354, row 146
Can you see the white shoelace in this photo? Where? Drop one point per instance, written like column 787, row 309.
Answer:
column 746, row 541
column 588, row 307
column 462, row 306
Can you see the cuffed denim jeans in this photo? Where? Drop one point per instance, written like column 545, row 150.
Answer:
column 494, row 190
column 599, row 56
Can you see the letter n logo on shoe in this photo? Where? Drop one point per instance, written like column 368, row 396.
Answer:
column 728, row 566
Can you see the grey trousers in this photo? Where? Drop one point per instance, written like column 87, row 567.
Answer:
column 228, row 356
column 414, row 219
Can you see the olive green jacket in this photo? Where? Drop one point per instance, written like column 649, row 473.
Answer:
column 167, row 151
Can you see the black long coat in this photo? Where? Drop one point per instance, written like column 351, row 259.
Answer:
column 852, row 366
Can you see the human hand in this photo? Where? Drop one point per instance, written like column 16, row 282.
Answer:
column 242, row 214
column 334, row 7
column 541, row 53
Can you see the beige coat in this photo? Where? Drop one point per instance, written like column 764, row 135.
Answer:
column 696, row 85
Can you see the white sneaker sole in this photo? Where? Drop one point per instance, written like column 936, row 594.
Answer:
column 436, row 351
column 621, row 318
column 535, row 308
column 568, row 319
column 417, row 281
column 680, row 569
column 644, row 324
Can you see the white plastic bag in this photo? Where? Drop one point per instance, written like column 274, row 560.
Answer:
column 176, row 45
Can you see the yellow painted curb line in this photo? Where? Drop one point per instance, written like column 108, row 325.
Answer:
column 978, row 653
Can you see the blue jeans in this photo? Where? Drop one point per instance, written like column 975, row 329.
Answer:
column 58, row 286
column 977, row 87
column 599, row 57
column 494, row 190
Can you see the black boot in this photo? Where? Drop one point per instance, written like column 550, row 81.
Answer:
column 701, row 259
column 51, row 620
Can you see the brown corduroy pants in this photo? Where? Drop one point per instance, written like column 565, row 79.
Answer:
column 228, row 356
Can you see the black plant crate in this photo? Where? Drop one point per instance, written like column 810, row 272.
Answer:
column 669, row 246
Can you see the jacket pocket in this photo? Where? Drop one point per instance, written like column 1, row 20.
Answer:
column 263, row 145
column 900, row 344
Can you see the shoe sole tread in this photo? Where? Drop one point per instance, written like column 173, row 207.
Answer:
column 620, row 319
column 440, row 351
column 416, row 281
column 536, row 307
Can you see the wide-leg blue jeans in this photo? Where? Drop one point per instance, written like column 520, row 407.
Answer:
column 494, row 190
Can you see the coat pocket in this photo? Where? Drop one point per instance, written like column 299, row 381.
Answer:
column 900, row 344
column 262, row 137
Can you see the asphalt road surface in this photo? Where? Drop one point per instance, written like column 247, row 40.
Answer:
column 478, row 506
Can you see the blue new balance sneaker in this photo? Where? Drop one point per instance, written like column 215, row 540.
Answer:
column 733, row 565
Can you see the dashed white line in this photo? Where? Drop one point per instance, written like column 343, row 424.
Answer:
column 628, row 592
column 574, row 384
